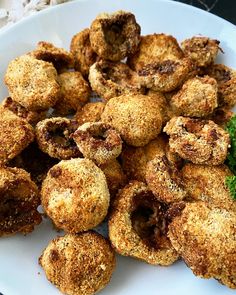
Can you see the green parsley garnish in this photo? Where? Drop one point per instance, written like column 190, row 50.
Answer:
column 231, row 184
column 231, row 158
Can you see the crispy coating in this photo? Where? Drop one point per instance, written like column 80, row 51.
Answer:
column 98, row 142
column 35, row 162
column 19, row 199
column 202, row 50
column 155, row 48
column 15, row 135
column 226, row 79
column 206, row 240
column 136, row 117
column 32, row 83
column 111, row 79
column 31, row 117
column 115, row 176
column 75, row 91
column 138, row 228
column 134, row 159
column 197, row 98
column 165, row 180
column 59, row 57
column 75, row 195
column 115, row 36
column 199, row 141
column 90, row 112
column 166, row 75
column 53, row 137
column 83, row 54
column 207, row 183
column 79, row 264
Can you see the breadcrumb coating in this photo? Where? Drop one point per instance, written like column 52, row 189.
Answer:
column 75, row 195
column 32, row 83
column 79, row 264
column 138, row 228
column 90, row 112
column 206, row 239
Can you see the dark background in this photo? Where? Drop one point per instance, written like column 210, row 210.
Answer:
column 223, row 8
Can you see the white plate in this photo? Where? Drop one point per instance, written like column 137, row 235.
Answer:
column 19, row 270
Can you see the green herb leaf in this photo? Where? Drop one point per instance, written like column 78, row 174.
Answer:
column 230, row 181
column 231, row 158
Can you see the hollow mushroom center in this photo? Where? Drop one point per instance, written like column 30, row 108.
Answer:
column 60, row 135
column 114, row 33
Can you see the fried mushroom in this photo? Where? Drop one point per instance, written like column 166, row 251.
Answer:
column 199, row 141
column 75, row 195
column 53, row 138
column 19, row 199
column 136, row 117
column 79, row 264
column 32, row 83
column 138, row 228
column 114, row 36
column 98, row 142
column 90, row 112
column 110, row 79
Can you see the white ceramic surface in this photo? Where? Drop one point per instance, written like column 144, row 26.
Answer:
column 19, row 270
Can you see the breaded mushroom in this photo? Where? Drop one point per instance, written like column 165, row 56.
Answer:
column 155, row 48
column 206, row 240
column 111, row 79
column 197, row 98
column 59, row 57
column 165, row 180
column 53, row 138
column 138, row 227
column 74, row 92
column 75, row 195
column 199, row 141
column 32, row 83
column 115, row 36
column 90, row 112
column 207, row 183
column 98, row 142
column 32, row 117
column 226, row 79
column 19, row 199
column 202, row 50
column 79, row 264
column 136, row 117
column 82, row 52
column 221, row 116
column 15, row 135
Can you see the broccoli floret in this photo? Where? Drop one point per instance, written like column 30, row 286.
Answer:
column 231, row 158
column 231, row 184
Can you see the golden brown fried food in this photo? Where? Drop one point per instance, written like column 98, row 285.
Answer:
column 75, row 195
column 53, row 137
column 75, row 91
column 35, row 162
column 207, row 183
column 98, row 142
column 82, row 52
column 221, row 116
column 155, row 48
column 165, row 180
column 115, row 36
column 134, row 159
column 199, row 141
column 115, row 176
column 19, row 199
column 30, row 116
column 91, row 112
column 32, row 83
column 59, row 57
column 226, row 79
column 202, row 50
column 165, row 76
column 110, row 79
column 79, row 264
column 15, row 135
column 136, row 117
column 138, row 228
column 197, row 98
column 206, row 240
